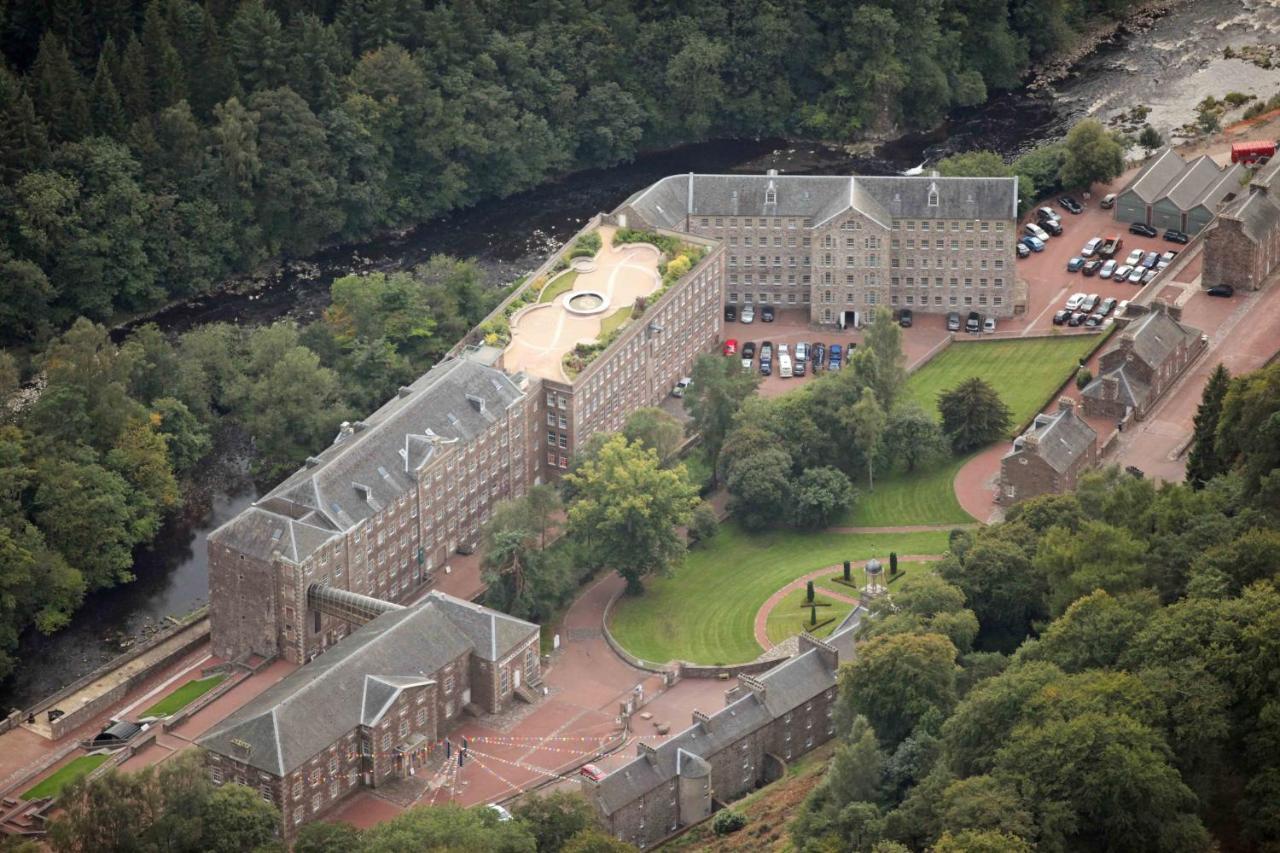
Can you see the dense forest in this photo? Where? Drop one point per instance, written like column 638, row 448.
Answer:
column 1096, row 673
column 149, row 150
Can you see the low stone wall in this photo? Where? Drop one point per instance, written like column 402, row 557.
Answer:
column 617, row 647
column 755, row 667
column 195, row 634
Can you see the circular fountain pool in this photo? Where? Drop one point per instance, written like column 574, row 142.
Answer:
column 586, row 302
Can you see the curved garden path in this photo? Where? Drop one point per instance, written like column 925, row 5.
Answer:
column 761, row 624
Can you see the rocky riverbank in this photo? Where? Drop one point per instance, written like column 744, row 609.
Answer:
column 1139, row 20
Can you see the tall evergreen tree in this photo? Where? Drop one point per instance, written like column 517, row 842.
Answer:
column 164, row 66
column 131, row 81
column 59, row 91
column 1203, row 462
column 105, row 106
column 24, row 144
column 214, row 78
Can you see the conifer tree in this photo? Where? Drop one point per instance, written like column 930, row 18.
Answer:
column 214, row 79
column 164, row 66
column 24, row 144
column 131, row 81
column 105, row 106
column 1203, row 462
column 59, row 91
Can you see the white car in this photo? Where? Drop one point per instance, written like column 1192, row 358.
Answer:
column 1136, row 274
column 747, row 364
column 1135, row 258
column 1121, row 272
column 681, row 386
column 1120, row 306
column 1091, row 248
column 782, row 350
column 1037, row 232
column 1107, row 269
column 748, row 314
column 1073, row 303
column 989, row 324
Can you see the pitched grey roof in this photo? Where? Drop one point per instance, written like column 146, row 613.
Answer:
column 1155, row 336
column 1061, row 438
column 373, row 462
column 1186, row 189
column 1266, row 174
column 820, row 197
column 351, row 684
column 1159, row 172
column 1229, row 184
column 1130, row 388
column 1257, row 213
column 493, row 634
column 787, row 686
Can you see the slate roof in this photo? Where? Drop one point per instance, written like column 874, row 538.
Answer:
column 1061, row 439
column 373, row 462
column 1185, row 190
column 492, row 634
column 1155, row 336
column 1266, row 174
column 787, row 686
column 1231, row 183
column 1130, row 388
column 666, row 203
column 351, row 684
column 1150, row 182
column 1257, row 213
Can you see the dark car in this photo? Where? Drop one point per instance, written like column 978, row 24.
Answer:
column 818, row 355
column 731, row 313
column 1069, row 203
column 1023, row 251
column 833, row 357
column 1094, row 320
column 766, row 350
column 953, row 321
column 749, row 349
column 1053, row 226
column 1061, row 317
column 766, row 313
column 974, row 323
column 1142, row 229
column 1107, row 304
column 1076, row 318
column 1075, row 264
column 1175, row 236
column 1091, row 268
column 904, row 318
column 1222, row 290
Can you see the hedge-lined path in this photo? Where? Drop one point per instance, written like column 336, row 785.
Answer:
column 762, row 615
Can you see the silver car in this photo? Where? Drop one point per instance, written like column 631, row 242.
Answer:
column 1136, row 274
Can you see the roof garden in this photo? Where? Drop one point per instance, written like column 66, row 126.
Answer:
column 605, row 279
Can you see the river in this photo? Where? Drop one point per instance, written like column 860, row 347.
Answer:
column 1169, row 67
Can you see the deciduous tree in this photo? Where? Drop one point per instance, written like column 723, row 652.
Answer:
column 719, row 388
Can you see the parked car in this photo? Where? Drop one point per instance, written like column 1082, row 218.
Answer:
column 766, row 313
column 501, row 812
column 1150, row 276
column 1222, row 290
column 1175, row 236
column 1069, row 203
column 730, row 313
column 818, row 355
column 747, row 365
column 989, row 324
column 1168, row 256
column 1142, row 229
column 1047, row 214
column 1060, row 318
column 1091, row 268
column 905, row 318
column 1091, row 248
column 1150, row 259
column 1077, row 317
column 1035, row 244
column 797, row 367
column 1108, row 201
column 1022, row 249
column 1108, row 268
column 1090, row 302
column 592, row 772
column 783, row 349
column 681, row 386
column 1135, row 257
column 1034, row 230
column 1136, row 274
column 748, row 314
column 731, row 346
column 974, row 323
column 784, row 366
column 1121, row 272
column 1053, row 226
column 802, row 351
column 1121, row 306
column 766, row 350
column 953, row 321
column 1075, row 264
column 749, row 349
column 1110, row 246
column 1074, row 301
column 833, row 357
column 1094, row 320
column 1107, row 305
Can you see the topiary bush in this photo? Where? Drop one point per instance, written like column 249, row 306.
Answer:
column 728, row 822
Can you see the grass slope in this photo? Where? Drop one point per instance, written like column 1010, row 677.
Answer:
column 1025, row 372
column 183, row 696
column 559, row 285
column 922, row 497
column 789, row 618
column 705, row 612
column 52, row 785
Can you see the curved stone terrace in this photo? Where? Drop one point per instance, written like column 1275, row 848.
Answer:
column 543, row 333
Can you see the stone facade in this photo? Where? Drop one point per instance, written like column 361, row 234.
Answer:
column 1152, row 351
column 1049, row 457
column 840, row 246
column 375, row 708
column 1242, row 246
column 767, row 721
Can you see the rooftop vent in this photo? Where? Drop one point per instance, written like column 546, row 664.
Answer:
column 404, row 391
column 477, row 403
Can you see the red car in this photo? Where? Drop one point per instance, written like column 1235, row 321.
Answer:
column 731, row 346
column 595, row 774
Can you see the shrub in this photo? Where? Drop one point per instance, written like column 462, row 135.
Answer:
column 1235, row 99
column 808, row 592
column 1255, row 109
column 585, row 246
column 1083, row 377
column 893, row 562
column 728, row 822
column 704, row 524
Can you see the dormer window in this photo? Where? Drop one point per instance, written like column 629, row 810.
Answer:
column 933, row 195
column 771, row 194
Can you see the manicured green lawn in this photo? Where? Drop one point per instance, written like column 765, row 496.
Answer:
column 614, row 320
column 65, row 775
column 790, row 618
column 184, row 696
column 559, row 285
column 706, row 610
column 925, row 496
column 1025, row 372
